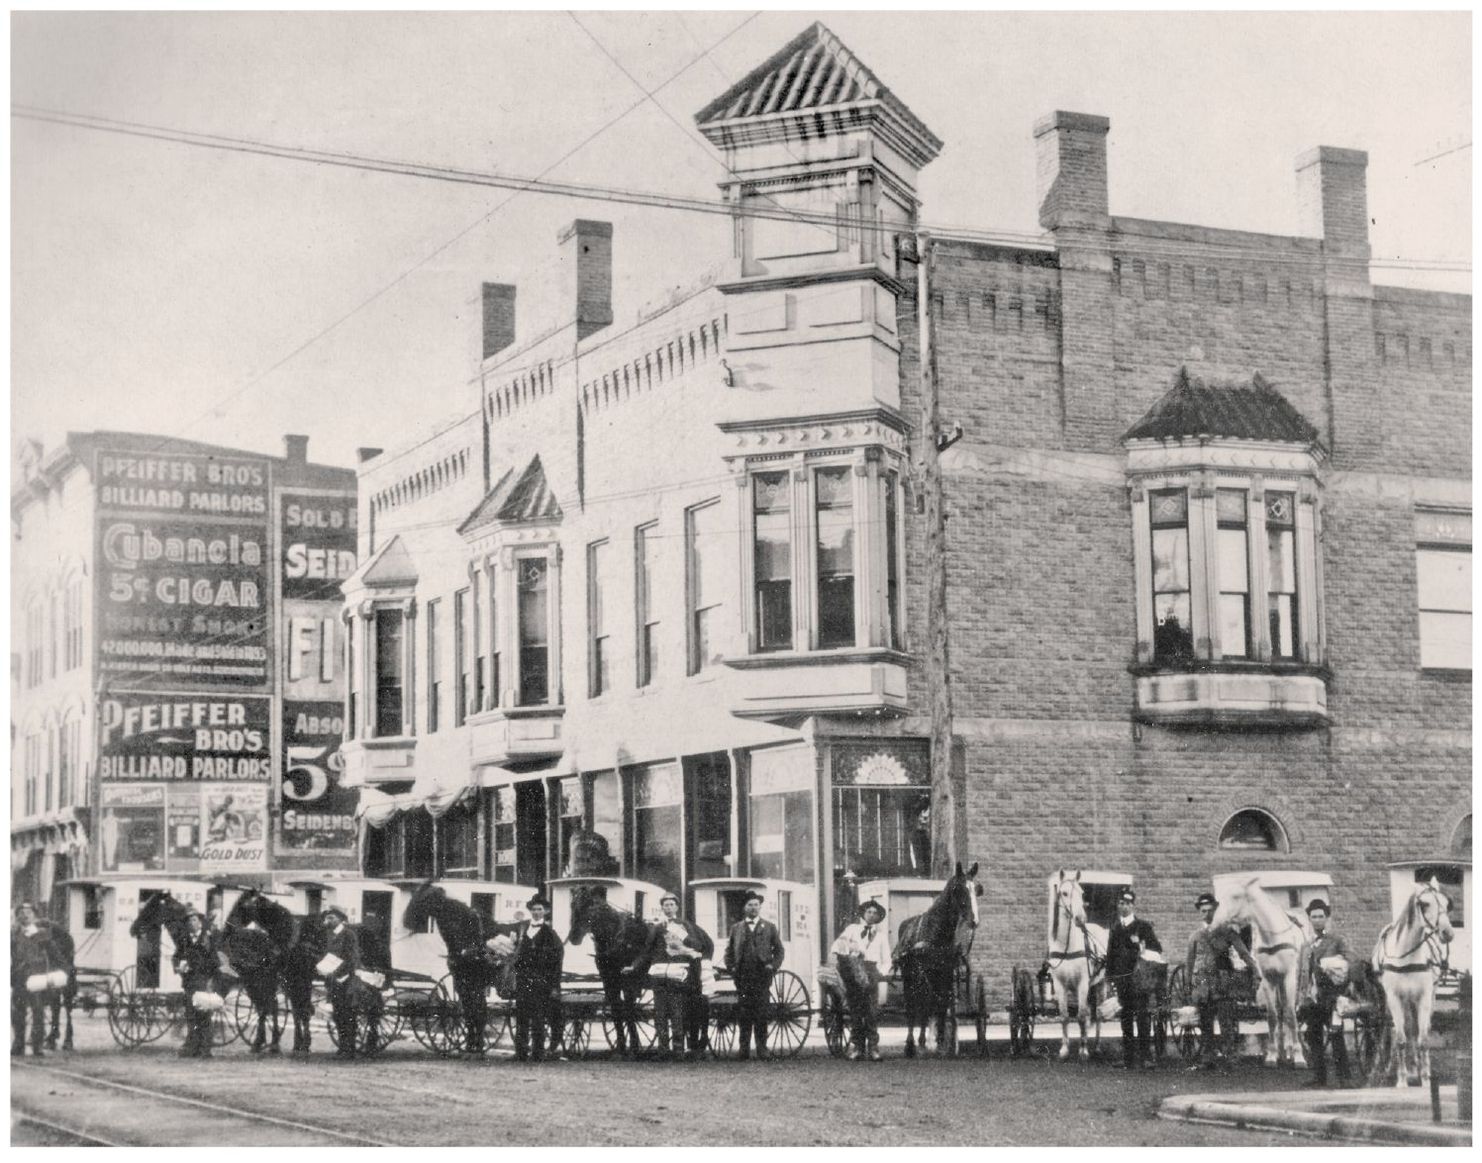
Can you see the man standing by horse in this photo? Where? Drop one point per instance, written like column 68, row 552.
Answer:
column 1211, row 982
column 342, row 953
column 1321, row 977
column 753, row 955
column 671, row 958
column 539, row 954
column 197, row 964
column 862, row 958
column 1129, row 939
column 33, row 955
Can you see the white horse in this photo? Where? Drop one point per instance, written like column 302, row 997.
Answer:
column 1077, row 953
column 1409, row 955
column 1278, row 951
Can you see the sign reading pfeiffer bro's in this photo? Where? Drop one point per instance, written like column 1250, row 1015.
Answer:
column 147, row 737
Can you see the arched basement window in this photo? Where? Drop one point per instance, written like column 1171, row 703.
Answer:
column 1252, row 828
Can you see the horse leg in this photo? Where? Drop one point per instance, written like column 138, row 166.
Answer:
column 71, row 1002
column 1275, row 1024
column 56, row 1020
column 278, row 1024
column 1422, row 1035
column 1398, row 1040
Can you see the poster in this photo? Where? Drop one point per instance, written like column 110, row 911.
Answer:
column 183, row 817
column 183, row 570
column 316, row 815
column 131, row 829
column 318, row 539
column 176, row 738
column 234, row 821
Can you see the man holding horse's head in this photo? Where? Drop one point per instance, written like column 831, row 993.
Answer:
column 1322, row 975
column 1209, row 968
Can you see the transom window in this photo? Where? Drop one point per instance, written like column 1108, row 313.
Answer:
column 1252, row 828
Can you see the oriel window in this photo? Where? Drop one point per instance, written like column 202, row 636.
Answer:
column 772, row 515
column 389, row 673
column 1173, row 635
column 835, row 519
column 1281, row 574
column 533, row 596
column 1234, row 572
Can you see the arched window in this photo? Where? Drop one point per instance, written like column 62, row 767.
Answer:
column 1461, row 839
column 1251, row 828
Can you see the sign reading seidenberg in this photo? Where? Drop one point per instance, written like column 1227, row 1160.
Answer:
column 183, row 568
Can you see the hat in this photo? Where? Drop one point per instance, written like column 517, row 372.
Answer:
column 872, row 903
column 333, row 911
column 754, row 895
column 1317, row 903
column 537, row 899
column 1127, row 895
column 669, row 896
column 1205, row 898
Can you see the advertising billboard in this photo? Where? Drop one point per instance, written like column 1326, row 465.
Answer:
column 316, row 815
column 183, row 570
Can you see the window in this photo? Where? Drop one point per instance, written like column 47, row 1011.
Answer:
column 49, row 778
column 1252, row 828
column 1443, row 575
column 658, row 824
column 53, row 635
column 33, row 771
column 772, row 519
column 893, row 635
column 34, row 632
column 503, row 861
column 533, row 598
column 873, row 829
column 92, row 907
column 1461, row 838
column 352, row 681
column 74, row 624
column 434, row 669
column 495, row 676
column 389, row 673
column 1173, row 638
column 704, row 551
column 780, row 814
column 69, row 749
column 1281, row 569
column 1234, row 568
column 834, row 488
column 457, row 842
column 645, row 545
column 476, row 649
column 599, row 656
column 460, row 657
column 570, row 813
column 707, row 804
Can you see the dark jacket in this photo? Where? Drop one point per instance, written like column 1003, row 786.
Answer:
column 346, row 946
column 34, row 954
column 1330, row 944
column 197, row 964
column 754, row 954
column 1207, row 963
column 656, row 951
column 539, row 954
column 1125, row 944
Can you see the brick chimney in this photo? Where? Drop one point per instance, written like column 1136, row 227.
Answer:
column 1333, row 198
column 296, row 449
column 499, row 317
column 1071, row 169
column 586, row 273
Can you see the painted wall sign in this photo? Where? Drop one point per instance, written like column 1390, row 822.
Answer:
column 316, row 815
column 171, row 738
column 318, row 539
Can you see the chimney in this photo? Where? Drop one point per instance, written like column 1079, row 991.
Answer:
column 1332, row 198
column 296, row 449
column 1071, row 169
column 364, row 454
column 499, row 317
column 586, row 272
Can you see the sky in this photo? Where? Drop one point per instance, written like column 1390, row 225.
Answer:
column 219, row 296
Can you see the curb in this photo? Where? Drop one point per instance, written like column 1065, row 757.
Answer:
column 1203, row 1108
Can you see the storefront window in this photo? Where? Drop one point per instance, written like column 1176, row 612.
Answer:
column 780, row 819
column 881, row 811
column 600, row 851
column 708, row 808
column 457, row 842
column 503, row 862
column 569, row 814
column 658, row 823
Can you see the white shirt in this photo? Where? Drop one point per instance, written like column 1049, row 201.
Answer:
column 852, row 942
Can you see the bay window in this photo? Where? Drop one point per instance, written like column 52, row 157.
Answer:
column 1233, row 550
column 532, row 600
column 1173, row 637
column 1281, row 581
column 834, row 490
column 772, row 522
column 1443, row 576
column 390, row 672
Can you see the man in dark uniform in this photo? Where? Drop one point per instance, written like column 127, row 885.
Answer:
column 342, row 944
column 1129, row 939
column 196, row 963
column 1211, row 982
column 672, row 959
column 1321, row 976
column 753, row 955
column 32, row 953
column 539, row 954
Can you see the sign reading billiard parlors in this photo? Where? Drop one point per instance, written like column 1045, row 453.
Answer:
column 183, row 569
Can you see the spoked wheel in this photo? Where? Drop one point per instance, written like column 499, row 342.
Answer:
column 1021, row 1012
column 135, row 1016
column 224, row 1029
column 643, row 1021
column 1365, row 1044
column 980, row 1014
column 243, row 1016
column 437, row 1020
column 790, row 1015
column 723, row 1030
column 831, row 1018
column 577, row 1035
column 378, row 1029
column 499, row 1026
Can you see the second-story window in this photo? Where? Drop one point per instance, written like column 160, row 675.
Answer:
column 771, row 494
column 460, row 657
column 434, row 666
column 646, row 647
column 893, row 636
column 1281, row 571
column 74, row 624
column 495, row 668
column 33, row 644
column 703, row 534
column 834, row 488
column 1173, row 637
column 1234, row 568
column 1443, row 574
column 533, row 598
column 53, row 634
column 390, row 676
column 599, row 657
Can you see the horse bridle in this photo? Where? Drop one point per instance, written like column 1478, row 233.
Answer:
column 1079, row 923
column 1428, row 937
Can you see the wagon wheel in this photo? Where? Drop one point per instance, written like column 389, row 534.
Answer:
column 643, row 1021
column 379, row 1028
column 831, row 1018
column 723, row 1030
column 1368, row 1047
column 790, row 1014
column 437, row 1020
column 980, row 1014
column 576, row 1033
column 243, row 1015
column 498, row 1025
column 1021, row 1011
column 135, row 1016
column 224, row 1023
column 1185, row 1037
column 1161, row 1019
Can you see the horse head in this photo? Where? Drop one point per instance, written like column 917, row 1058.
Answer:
column 425, row 905
column 163, row 911
column 965, row 891
column 1430, row 910
column 1070, row 901
column 586, row 904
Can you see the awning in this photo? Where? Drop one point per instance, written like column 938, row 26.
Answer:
column 378, row 809
column 495, row 776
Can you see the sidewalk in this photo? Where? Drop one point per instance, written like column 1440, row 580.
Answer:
column 1377, row 1115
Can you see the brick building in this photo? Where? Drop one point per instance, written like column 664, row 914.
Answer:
column 653, row 607
column 176, row 671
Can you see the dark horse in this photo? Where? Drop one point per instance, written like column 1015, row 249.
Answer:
column 269, row 946
column 929, row 947
column 473, row 965
column 66, row 997
column 619, row 937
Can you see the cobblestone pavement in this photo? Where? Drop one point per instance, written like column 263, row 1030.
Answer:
column 407, row 1096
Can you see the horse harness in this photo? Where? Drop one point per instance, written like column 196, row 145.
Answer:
column 1095, row 963
column 1427, row 938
